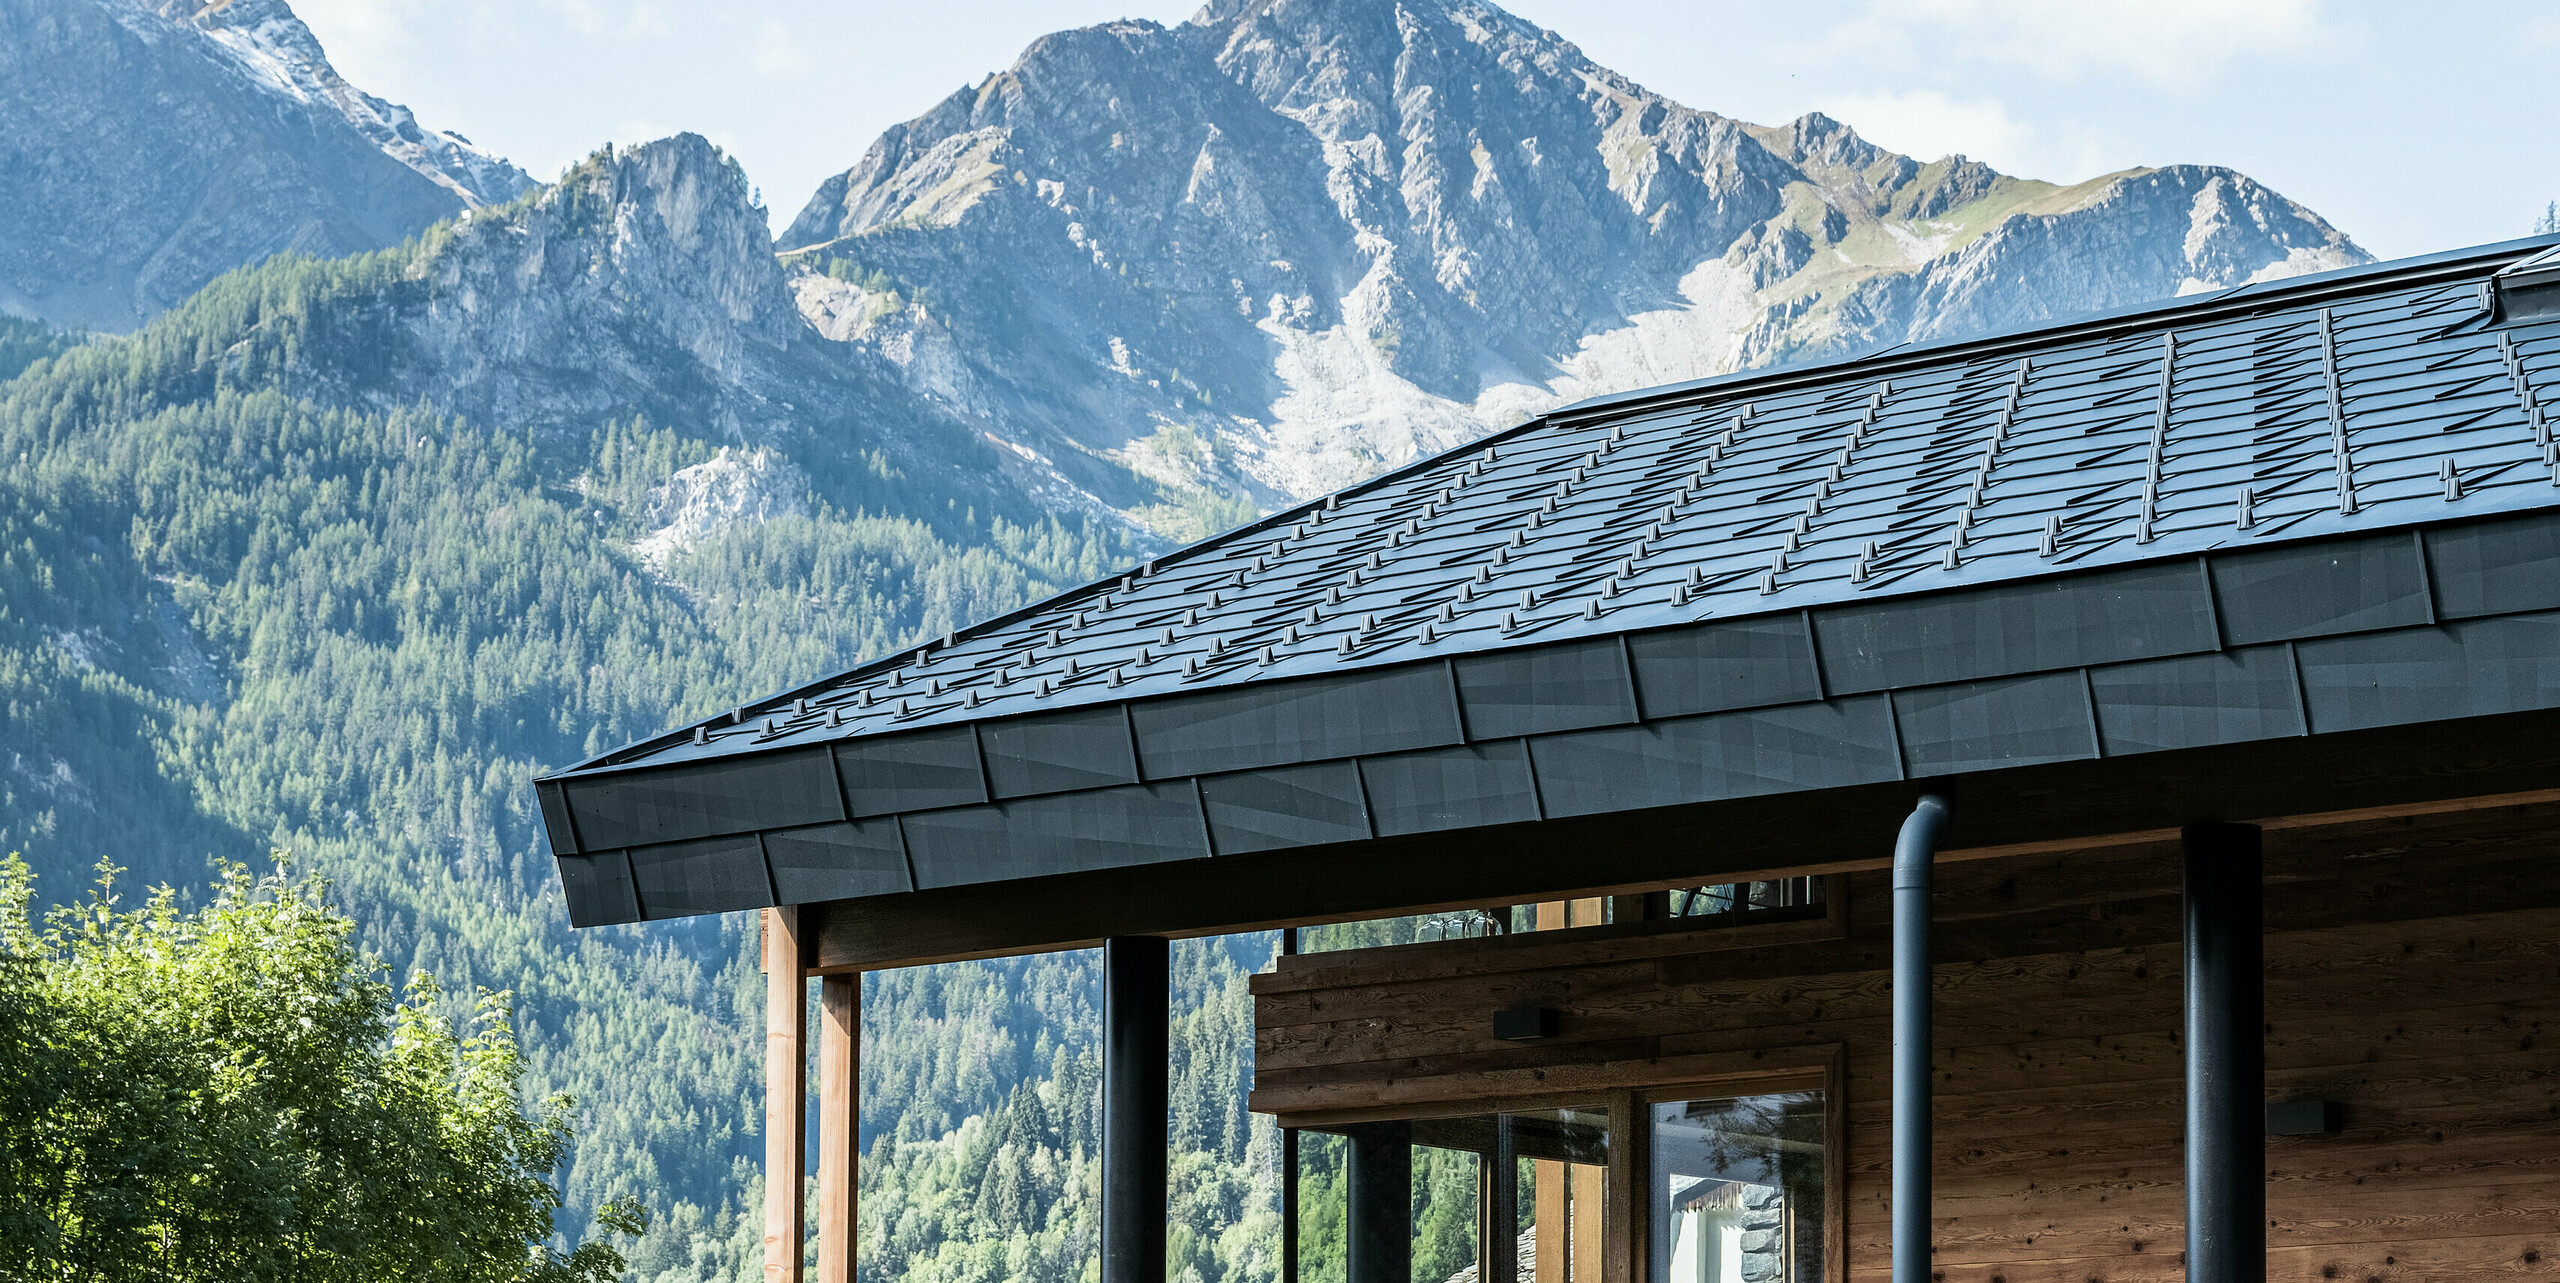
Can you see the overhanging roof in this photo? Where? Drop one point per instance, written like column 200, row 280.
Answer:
column 2268, row 512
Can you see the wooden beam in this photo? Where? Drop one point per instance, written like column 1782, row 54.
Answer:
column 1575, row 1083
column 1616, row 942
column 2117, row 801
column 786, row 989
column 1622, row 1256
column 839, row 1122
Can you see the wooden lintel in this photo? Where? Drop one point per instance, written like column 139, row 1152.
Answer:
column 1516, row 1090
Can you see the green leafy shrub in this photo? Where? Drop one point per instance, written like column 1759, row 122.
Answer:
column 233, row 1092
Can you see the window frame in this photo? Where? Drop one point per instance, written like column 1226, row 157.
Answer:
column 1628, row 1098
column 1830, row 1077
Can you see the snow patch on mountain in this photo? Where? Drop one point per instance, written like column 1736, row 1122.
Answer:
column 729, row 489
column 273, row 49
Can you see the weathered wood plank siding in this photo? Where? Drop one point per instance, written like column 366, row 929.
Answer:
column 2413, row 971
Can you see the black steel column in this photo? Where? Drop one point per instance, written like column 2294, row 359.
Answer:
column 1379, row 1195
column 2226, row 1055
column 1498, row 1208
column 1289, row 1165
column 1136, row 1028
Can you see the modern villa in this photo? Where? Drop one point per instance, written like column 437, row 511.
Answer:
column 2072, row 804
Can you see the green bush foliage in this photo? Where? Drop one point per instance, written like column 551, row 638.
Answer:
column 232, row 1092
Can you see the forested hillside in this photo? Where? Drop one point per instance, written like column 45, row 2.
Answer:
column 335, row 555
column 234, row 616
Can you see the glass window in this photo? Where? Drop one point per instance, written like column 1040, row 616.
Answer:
column 1493, row 1198
column 1722, row 904
column 1771, row 898
column 1567, row 1153
column 1736, row 1194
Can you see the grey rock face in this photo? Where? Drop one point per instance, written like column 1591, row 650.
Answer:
column 1164, row 273
column 1294, row 241
column 642, row 283
column 642, row 279
column 145, row 149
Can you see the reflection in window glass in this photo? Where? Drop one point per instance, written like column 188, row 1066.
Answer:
column 1542, row 1225
column 1445, row 1199
column 1771, row 898
column 1720, row 904
column 1736, row 1190
column 1568, row 1153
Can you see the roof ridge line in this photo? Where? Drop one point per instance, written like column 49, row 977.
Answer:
column 2193, row 309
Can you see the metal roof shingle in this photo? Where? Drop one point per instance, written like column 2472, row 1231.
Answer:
column 2365, row 400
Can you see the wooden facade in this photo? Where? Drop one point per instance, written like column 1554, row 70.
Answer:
column 2412, row 966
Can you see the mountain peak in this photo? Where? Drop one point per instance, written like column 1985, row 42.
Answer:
column 1292, row 241
column 1814, row 140
column 163, row 144
column 273, row 47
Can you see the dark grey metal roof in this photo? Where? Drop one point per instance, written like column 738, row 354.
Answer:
column 1906, row 562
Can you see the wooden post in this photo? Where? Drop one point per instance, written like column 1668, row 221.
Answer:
column 1623, row 1230
column 1547, row 1190
column 1586, row 1198
column 786, row 1091
column 839, row 1122
column 1590, row 911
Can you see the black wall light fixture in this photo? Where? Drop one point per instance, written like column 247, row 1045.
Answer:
column 1525, row 1023
column 2306, row 1118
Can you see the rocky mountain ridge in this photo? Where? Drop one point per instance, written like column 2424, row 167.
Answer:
column 1292, row 242
column 1169, row 275
column 335, row 553
column 638, row 287
column 146, row 148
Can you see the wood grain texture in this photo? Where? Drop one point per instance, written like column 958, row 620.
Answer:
column 2412, row 973
column 786, row 1090
column 839, row 1121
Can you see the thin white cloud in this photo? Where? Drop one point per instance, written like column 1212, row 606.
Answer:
column 366, row 40
column 778, row 52
column 1927, row 124
column 2172, row 44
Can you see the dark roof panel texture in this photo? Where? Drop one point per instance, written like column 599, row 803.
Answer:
column 2201, row 524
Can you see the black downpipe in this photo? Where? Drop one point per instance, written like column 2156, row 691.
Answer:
column 1289, row 1165
column 1137, row 981
column 2226, row 1054
column 1914, row 852
column 1379, row 1192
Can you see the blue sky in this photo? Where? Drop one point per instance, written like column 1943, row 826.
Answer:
column 2413, row 127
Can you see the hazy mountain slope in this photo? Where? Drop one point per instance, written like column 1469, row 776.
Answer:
column 263, row 584
column 146, row 149
column 1293, row 241
column 335, row 554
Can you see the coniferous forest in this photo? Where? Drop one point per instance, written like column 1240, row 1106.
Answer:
column 355, row 635
column 320, row 567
